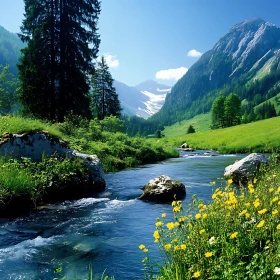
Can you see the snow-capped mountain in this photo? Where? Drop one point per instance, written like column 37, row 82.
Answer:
column 143, row 100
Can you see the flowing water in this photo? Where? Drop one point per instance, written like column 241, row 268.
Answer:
column 104, row 231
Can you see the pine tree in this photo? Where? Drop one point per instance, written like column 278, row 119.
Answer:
column 54, row 70
column 105, row 100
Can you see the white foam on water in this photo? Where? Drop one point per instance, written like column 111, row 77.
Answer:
column 25, row 249
column 117, row 204
column 88, row 201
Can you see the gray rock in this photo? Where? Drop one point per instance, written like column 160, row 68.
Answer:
column 163, row 188
column 40, row 144
column 184, row 146
column 246, row 168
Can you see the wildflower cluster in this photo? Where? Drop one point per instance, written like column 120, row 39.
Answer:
column 235, row 236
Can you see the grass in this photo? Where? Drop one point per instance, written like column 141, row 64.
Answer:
column 25, row 184
column 261, row 136
column 236, row 236
column 200, row 122
column 115, row 149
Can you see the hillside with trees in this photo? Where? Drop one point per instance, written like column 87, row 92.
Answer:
column 245, row 62
column 10, row 46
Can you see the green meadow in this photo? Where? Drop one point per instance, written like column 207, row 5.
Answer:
column 261, row 136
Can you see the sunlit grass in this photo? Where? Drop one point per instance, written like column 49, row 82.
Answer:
column 200, row 122
column 261, row 136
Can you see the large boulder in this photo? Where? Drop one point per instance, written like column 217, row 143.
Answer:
column 36, row 145
column 163, row 188
column 245, row 169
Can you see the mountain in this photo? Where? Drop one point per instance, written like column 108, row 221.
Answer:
column 142, row 100
column 244, row 61
column 10, row 46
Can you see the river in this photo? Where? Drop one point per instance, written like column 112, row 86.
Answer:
column 104, row 231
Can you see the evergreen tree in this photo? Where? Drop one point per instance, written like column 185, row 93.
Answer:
column 232, row 110
column 54, row 70
column 191, row 129
column 218, row 112
column 105, row 100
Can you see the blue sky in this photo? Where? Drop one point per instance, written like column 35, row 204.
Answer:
column 159, row 39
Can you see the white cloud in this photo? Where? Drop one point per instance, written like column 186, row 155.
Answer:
column 111, row 61
column 194, row 53
column 171, row 74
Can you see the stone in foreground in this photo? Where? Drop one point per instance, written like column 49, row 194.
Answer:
column 245, row 169
column 163, row 188
column 36, row 145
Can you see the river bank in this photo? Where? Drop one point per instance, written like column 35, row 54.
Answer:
column 28, row 183
column 106, row 230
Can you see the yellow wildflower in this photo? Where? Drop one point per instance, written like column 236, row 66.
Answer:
column 167, row 247
column 214, row 196
column 229, row 181
column 176, row 209
column 208, row 254
column 250, row 186
column 255, row 180
column 182, row 219
column 141, row 246
column 173, row 203
column 243, row 212
column 176, row 224
column 200, row 205
column 251, row 190
column 170, row 226
column 271, row 190
column 156, row 234
column 278, row 190
column 260, row 224
column 196, row 274
column 278, row 227
column 274, row 212
column 247, row 204
column 177, row 247
column 183, row 246
column 263, row 211
column 247, row 215
column 257, row 203
column 163, row 215
column 159, row 224
column 276, row 198
column 198, row 216
column 234, row 235
column 201, row 231
column 204, row 216
column 145, row 250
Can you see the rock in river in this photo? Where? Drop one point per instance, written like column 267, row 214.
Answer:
column 245, row 169
column 163, row 188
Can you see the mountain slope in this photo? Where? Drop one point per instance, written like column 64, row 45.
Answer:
column 10, row 46
column 249, row 51
column 142, row 100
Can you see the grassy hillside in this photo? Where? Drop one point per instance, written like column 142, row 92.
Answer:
column 115, row 149
column 200, row 122
column 261, row 136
